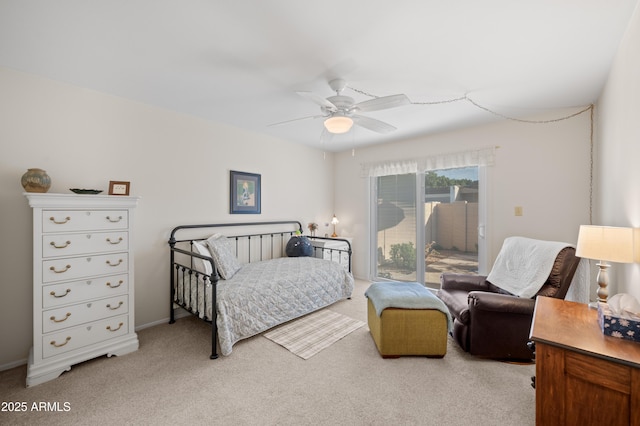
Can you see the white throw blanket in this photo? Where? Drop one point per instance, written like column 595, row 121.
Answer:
column 524, row 264
column 579, row 288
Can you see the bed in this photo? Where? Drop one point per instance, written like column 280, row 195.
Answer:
column 243, row 283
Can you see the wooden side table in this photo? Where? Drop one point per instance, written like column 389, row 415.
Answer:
column 582, row 376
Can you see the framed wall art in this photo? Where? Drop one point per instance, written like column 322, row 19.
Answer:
column 244, row 193
column 119, row 187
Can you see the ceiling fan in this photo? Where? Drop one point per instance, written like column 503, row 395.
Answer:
column 341, row 112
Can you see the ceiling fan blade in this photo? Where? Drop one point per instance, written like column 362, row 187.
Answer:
column 373, row 124
column 319, row 100
column 295, row 119
column 384, row 102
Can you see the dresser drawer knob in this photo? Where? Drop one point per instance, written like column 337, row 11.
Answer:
column 58, row 345
column 53, row 318
column 60, row 246
column 53, row 268
column 60, row 222
column 53, row 293
column 115, row 329
column 114, row 308
column 114, row 264
column 115, row 286
column 115, row 219
column 114, row 242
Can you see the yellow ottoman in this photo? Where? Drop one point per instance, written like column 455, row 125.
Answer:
column 400, row 331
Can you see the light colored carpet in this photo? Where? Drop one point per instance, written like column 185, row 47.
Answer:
column 171, row 380
column 312, row 333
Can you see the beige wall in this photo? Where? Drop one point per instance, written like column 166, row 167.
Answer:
column 542, row 167
column 179, row 165
column 617, row 195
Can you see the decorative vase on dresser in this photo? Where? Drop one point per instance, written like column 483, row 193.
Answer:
column 36, row 180
column 83, row 281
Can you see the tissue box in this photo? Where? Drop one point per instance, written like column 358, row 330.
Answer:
column 621, row 327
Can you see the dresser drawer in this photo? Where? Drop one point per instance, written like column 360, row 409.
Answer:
column 69, row 316
column 77, row 267
column 77, row 337
column 73, row 244
column 78, row 291
column 83, row 220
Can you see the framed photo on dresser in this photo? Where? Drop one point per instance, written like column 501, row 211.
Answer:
column 119, row 187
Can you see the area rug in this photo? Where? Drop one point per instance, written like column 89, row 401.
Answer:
column 312, row 333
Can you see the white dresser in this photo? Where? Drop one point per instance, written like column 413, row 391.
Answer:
column 83, row 292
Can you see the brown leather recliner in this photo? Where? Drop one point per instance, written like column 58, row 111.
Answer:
column 492, row 323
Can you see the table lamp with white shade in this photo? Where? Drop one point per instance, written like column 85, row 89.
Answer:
column 606, row 244
column 334, row 222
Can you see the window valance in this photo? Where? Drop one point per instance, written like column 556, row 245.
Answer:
column 388, row 168
column 479, row 157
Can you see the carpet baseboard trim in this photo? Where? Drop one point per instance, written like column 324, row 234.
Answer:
column 13, row 364
column 179, row 313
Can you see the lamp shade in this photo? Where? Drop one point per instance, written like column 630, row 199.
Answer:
column 338, row 124
column 334, row 220
column 607, row 243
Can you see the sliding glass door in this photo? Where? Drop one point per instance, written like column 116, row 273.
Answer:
column 395, row 227
column 428, row 223
column 451, row 222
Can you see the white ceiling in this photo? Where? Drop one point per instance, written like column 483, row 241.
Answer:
column 241, row 62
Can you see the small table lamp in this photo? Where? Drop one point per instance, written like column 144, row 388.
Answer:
column 334, row 222
column 606, row 244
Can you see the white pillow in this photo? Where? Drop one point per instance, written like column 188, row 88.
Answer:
column 222, row 252
column 201, row 264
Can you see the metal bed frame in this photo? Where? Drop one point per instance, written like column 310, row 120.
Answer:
column 269, row 244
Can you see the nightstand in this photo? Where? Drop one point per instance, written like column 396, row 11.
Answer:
column 335, row 249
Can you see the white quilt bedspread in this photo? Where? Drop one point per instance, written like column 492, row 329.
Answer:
column 265, row 294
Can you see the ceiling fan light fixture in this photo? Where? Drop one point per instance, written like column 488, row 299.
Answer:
column 338, row 124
